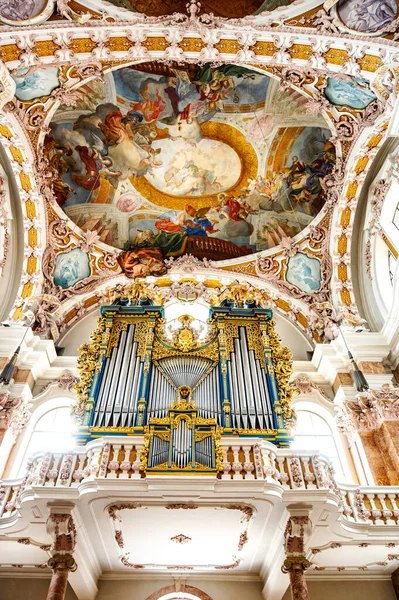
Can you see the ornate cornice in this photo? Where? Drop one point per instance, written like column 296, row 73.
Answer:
column 369, row 411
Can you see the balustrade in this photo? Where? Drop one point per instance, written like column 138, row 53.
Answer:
column 249, row 460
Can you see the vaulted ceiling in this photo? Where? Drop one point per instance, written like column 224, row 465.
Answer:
column 235, row 145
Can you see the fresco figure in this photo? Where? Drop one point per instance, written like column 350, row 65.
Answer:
column 20, row 10
column 343, row 92
column 142, row 262
column 367, row 15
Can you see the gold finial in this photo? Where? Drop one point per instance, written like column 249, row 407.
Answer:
column 239, row 295
column 135, row 293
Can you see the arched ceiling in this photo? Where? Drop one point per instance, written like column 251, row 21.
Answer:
column 243, row 143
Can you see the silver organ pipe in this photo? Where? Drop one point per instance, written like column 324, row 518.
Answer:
column 161, row 395
column 264, row 393
column 138, row 372
column 182, row 445
column 102, row 396
column 241, row 384
column 130, row 390
column 203, row 451
column 159, row 451
column 207, row 397
column 105, row 385
column 117, row 396
column 268, row 400
column 260, row 417
column 126, row 342
column 248, row 381
column 235, row 405
column 185, row 370
column 249, row 394
column 120, row 349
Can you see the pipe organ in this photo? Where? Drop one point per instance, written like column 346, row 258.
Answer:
column 181, row 389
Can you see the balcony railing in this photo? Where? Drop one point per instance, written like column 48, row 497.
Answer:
column 249, row 460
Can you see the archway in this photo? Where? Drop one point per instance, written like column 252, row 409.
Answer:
column 182, row 592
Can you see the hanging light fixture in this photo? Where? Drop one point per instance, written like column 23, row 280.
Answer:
column 358, row 375
column 8, row 371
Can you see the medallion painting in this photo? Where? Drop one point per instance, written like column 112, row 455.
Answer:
column 71, row 267
column 20, row 10
column 34, row 84
column 216, row 162
column 367, row 16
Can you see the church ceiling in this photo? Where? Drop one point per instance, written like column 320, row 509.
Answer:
column 234, row 144
column 220, row 8
column 215, row 162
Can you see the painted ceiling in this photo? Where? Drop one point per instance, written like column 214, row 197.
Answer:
column 217, row 162
column 220, row 8
column 231, row 141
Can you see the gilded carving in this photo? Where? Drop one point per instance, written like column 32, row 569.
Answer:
column 87, row 364
column 283, row 369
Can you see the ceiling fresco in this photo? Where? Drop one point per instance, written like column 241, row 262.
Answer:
column 220, row 8
column 214, row 162
column 135, row 168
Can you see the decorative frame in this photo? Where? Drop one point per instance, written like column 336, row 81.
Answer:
column 248, row 512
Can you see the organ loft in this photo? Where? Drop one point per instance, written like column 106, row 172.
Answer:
column 185, row 383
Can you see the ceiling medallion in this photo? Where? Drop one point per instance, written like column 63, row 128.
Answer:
column 180, row 539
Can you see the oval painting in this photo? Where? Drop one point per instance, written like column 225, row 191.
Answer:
column 344, row 92
column 194, row 169
column 367, row 16
column 21, row 10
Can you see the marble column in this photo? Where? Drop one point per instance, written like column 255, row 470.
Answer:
column 395, row 582
column 61, row 564
column 295, row 567
column 296, row 534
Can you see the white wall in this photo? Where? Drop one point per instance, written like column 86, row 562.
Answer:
column 22, row 588
column 141, row 589
column 349, row 590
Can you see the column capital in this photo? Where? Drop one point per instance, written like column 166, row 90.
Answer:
column 295, row 563
column 296, row 534
column 62, row 562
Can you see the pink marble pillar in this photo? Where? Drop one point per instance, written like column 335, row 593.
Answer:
column 295, row 567
column 395, row 582
column 61, row 564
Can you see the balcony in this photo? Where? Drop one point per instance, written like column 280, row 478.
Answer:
column 119, row 459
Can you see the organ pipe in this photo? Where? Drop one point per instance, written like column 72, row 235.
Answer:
column 232, row 380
